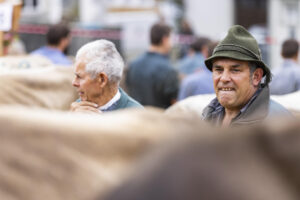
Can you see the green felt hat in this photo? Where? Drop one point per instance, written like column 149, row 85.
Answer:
column 239, row 44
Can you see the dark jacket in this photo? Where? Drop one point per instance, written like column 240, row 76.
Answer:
column 151, row 80
column 125, row 101
column 259, row 109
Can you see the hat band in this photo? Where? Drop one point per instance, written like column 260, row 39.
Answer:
column 231, row 47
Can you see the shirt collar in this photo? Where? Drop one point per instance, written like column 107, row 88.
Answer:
column 111, row 102
column 218, row 112
column 248, row 104
column 251, row 100
column 289, row 62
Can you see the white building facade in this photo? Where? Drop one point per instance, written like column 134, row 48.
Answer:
column 213, row 18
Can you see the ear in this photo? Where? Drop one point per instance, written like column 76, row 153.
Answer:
column 165, row 39
column 257, row 76
column 102, row 80
column 64, row 43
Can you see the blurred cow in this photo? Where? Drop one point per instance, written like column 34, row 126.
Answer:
column 57, row 155
column 33, row 81
column 194, row 105
column 261, row 163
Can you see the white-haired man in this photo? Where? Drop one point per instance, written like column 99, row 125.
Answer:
column 98, row 71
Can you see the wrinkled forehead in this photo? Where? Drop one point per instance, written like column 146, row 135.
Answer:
column 82, row 58
column 79, row 66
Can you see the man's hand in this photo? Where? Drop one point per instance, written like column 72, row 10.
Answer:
column 85, row 107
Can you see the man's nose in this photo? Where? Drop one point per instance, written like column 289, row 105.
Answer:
column 75, row 83
column 225, row 76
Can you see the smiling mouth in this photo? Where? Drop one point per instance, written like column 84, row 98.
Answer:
column 226, row 89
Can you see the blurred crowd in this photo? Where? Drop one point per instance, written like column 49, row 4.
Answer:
column 230, row 70
column 153, row 79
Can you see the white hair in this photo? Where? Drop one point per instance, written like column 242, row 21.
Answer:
column 101, row 56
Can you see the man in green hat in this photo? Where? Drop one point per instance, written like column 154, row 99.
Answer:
column 238, row 73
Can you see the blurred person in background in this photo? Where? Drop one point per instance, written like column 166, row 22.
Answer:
column 58, row 39
column 200, row 82
column 238, row 71
column 151, row 79
column 186, row 34
column 98, row 72
column 194, row 60
column 286, row 78
column 185, row 28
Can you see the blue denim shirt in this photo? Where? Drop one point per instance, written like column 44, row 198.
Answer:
column 195, row 84
column 56, row 56
column 286, row 78
column 191, row 64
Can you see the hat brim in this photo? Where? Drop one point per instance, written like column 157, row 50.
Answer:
column 237, row 56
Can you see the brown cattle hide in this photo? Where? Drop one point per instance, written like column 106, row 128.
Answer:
column 26, row 62
column 195, row 104
column 258, row 163
column 48, row 87
column 65, row 156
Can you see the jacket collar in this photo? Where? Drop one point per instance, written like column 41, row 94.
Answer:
column 256, row 111
column 253, row 112
column 111, row 102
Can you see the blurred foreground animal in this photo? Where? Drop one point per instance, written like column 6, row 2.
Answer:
column 194, row 105
column 16, row 63
column 261, row 163
column 35, row 84
column 53, row 155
